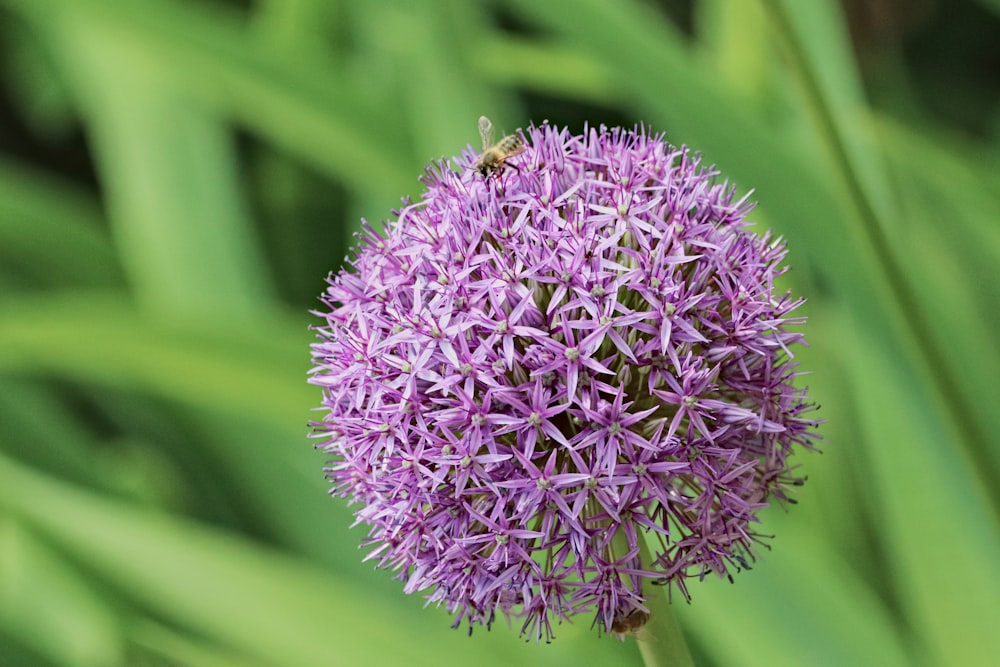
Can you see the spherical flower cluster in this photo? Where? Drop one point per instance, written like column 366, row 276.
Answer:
column 553, row 386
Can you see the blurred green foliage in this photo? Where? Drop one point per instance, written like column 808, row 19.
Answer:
column 177, row 178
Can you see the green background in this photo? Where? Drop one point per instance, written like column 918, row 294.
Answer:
column 177, row 178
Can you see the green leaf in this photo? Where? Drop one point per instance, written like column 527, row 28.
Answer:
column 41, row 430
column 820, row 56
column 180, row 649
column 50, row 607
column 934, row 515
column 169, row 171
column 102, row 339
column 423, row 48
column 310, row 108
column 799, row 605
column 951, row 205
column 52, row 231
column 273, row 607
column 249, row 390
column 816, row 38
column 548, row 67
column 267, row 605
column 730, row 38
column 35, row 87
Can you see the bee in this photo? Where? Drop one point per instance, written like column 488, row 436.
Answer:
column 495, row 155
column 631, row 624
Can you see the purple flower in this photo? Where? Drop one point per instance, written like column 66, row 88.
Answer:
column 527, row 375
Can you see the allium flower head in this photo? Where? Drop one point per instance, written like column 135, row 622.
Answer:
column 527, row 375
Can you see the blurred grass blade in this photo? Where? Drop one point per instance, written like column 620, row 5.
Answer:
column 179, row 649
column 952, row 204
column 730, row 34
column 934, row 514
column 831, row 87
column 424, row 46
column 311, row 109
column 819, row 47
column 269, row 606
column 102, row 339
column 52, row 231
column 545, row 67
column 169, row 171
column 831, row 512
column 44, row 431
column 799, row 605
column 40, row 95
column 50, row 606
column 251, row 390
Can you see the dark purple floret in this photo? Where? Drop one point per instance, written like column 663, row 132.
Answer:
column 525, row 376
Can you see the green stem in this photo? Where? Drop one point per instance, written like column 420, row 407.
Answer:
column 661, row 641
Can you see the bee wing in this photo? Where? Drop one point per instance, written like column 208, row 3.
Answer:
column 486, row 131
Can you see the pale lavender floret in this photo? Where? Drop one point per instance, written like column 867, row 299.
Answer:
column 525, row 373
